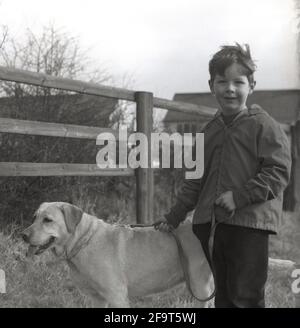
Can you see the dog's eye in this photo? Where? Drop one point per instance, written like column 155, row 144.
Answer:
column 47, row 220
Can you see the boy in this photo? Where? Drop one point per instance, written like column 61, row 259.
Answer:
column 247, row 166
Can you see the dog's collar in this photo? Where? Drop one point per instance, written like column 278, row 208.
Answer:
column 81, row 243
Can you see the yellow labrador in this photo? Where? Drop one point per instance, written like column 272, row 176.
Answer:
column 110, row 262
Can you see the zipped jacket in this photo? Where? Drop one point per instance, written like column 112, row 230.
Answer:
column 250, row 157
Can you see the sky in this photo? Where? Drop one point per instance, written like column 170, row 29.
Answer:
column 165, row 45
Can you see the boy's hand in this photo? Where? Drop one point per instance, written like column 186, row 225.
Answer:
column 163, row 226
column 226, row 200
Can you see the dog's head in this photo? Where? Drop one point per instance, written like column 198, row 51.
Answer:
column 53, row 225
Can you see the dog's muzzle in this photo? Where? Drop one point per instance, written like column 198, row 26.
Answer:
column 39, row 249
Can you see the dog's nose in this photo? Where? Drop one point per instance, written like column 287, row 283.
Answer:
column 25, row 236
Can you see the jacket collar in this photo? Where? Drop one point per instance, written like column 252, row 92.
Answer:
column 218, row 116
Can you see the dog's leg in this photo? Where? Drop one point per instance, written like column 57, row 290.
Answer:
column 120, row 303
column 118, row 299
column 98, row 301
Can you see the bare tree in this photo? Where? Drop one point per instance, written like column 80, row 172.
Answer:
column 52, row 52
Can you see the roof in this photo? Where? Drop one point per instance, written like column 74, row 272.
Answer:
column 283, row 105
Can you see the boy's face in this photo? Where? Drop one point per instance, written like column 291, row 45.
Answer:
column 232, row 89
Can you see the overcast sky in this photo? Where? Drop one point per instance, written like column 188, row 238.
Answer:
column 166, row 44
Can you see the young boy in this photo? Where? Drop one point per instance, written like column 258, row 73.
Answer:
column 247, row 166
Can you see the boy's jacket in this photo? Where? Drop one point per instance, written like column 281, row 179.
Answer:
column 251, row 157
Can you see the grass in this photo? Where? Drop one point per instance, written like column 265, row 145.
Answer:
column 44, row 283
column 285, row 245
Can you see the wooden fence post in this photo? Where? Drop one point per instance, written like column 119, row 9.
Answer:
column 144, row 177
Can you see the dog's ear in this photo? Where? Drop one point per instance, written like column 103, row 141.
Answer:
column 72, row 214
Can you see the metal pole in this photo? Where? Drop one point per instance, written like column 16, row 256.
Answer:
column 144, row 176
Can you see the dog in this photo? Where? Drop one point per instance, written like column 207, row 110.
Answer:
column 111, row 263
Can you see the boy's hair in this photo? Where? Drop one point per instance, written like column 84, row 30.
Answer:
column 229, row 55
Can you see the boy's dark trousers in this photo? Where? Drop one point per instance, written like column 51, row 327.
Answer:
column 240, row 258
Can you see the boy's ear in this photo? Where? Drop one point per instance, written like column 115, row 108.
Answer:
column 252, row 86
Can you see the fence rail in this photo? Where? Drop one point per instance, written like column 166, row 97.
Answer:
column 56, row 169
column 9, row 125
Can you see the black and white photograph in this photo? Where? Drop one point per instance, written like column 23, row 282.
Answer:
column 150, row 156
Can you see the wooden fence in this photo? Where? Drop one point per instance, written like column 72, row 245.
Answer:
column 145, row 102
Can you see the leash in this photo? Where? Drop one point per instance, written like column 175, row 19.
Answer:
column 183, row 258
column 211, row 240
column 184, row 264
